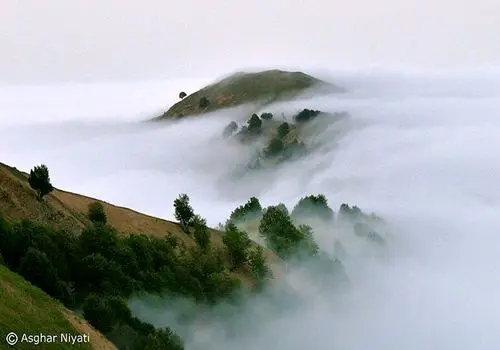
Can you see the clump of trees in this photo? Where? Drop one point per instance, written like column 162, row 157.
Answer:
column 182, row 94
column 313, row 206
column 96, row 213
column 254, row 124
column 204, row 102
column 237, row 243
column 250, row 210
column 306, row 115
column 266, row 116
column 39, row 180
column 284, row 237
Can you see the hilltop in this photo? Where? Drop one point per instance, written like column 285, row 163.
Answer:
column 261, row 88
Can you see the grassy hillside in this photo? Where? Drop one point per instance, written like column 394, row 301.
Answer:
column 61, row 209
column 262, row 87
column 27, row 309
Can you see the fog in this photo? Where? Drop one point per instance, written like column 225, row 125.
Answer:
column 420, row 149
column 59, row 40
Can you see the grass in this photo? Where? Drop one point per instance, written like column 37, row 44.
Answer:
column 25, row 308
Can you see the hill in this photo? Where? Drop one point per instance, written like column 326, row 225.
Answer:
column 26, row 308
column 240, row 88
column 66, row 210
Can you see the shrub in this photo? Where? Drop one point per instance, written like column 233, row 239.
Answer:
column 39, row 180
column 204, row 102
column 182, row 94
column 96, row 213
column 39, row 270
column 184, row 213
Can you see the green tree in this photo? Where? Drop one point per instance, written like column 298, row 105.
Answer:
column 163, row 339
column 39, row 270
column 237, row 244
column 266, row 116
column 254, row 123
column 275, row 147
column 201, row 231
column 283, row 130
column 250, row 210
column 96, row 213
column 184, row 213
column 39, row 180
column 230, row 129
column 313, row 207
column 257, row 261
column 98, row 313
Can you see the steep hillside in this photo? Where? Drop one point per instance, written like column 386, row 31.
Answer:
column 240, row 88
column 66, row 210
column 25, row 308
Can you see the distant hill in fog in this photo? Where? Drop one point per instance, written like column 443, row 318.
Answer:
column 240, row 88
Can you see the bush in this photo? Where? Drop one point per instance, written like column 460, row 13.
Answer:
column 204, row 102
column 184, row 213
column 39, row 180
column 39, row 270
column 266, row 116
column 237, row 244
column 182, row 94
column 96, row 213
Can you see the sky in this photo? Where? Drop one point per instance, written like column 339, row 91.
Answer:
column 60, row 40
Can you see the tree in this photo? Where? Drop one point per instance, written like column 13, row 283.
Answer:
column 39, row 270
column 96, row 213
column 254, row 123
column 182, row 95
column 283, row 130
column 306, row 115
column 313, row 207
column 184, row 213
column 201, row 232
column 204, row 102
column 250, row 210
column 275, row 147
column 266, row 116
column 39, row 180
column 98, row 312
column 230, row 129
column 237, row 244
column 163, row 339
column 258, row 263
